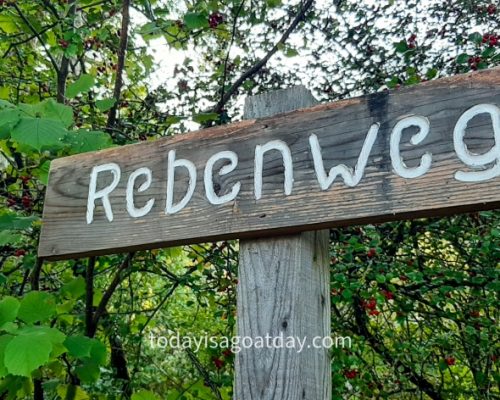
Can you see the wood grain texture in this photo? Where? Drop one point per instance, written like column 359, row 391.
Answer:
column 283, row 290
column 341, row 128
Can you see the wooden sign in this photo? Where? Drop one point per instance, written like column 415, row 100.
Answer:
column 429, row 150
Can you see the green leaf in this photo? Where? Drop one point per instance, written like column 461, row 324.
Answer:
column 37, row 306
column 79, row 346
column 39, row 133
column 72, row 392
column 8, row 309
column 10, row 237
column 105, row 104
column 30, row 349
column 347, row 294
column 291, row 52
column 51, row 109
column 4, row 341
column 98, row 352
column 274, row 3
column 462, row 58
column 150, row 31
column 74, row 289
column 82, row 85
column 431, row 74
column 8, row 119
column 196, row 20
column 380, row 278
column 8, row 23
column 42, row 172
column 488, row 52
column 82, row 347
column 401, row 47
column 205, row 117
column 476, row 37
column 144, row 395
column 393, row 82
column 13, row 222
column 82, row 141
column 88, row 372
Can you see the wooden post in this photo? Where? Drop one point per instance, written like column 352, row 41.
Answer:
column 283, row 291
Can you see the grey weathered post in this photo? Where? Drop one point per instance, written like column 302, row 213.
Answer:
column 283, row 290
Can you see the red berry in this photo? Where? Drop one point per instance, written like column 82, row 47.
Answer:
column 351, row 373
column 63, row 43
column 374, row 312
column 20, row 253
column 475, row 314
column 11, row 202
column 494, row 358
column 388, row 294
column 218, row 363
column 227, row 353
column 215, row 19
column 449, row 360
column 25, row 179
column 26, row 202
column 493, row 40
column 370, row 304
column 492, row 9
column 404, row 278
column 371, row 253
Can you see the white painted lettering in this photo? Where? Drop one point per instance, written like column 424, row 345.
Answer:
column 397, row 162
column 172, row 208
column 478, row 161
column 103, row 194
column 350, row 177
column 259, row 161
column 131, row 208
column 208, row 177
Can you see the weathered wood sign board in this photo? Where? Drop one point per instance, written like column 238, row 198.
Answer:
column 429, row 150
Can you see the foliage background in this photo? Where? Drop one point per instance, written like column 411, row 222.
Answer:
column 419, row 298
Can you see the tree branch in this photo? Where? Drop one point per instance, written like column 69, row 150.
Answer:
column 89, row 297
column 37, row 35
column 62, row 73
column 122, row 50
column 361, row 329
column 101, row 308
column 262, row 62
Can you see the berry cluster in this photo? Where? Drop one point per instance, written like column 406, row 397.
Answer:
column 63, row 43
column 370, row 306
column 91, row 42
column 412, row 41
column 449, row 360
column 474, row 61
column 387, row 294
column 215, row 19
column 371, row 253
column 490, row 39
column 218, row 361
column 19, row 252
column 26, row 201
column 351, row 373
